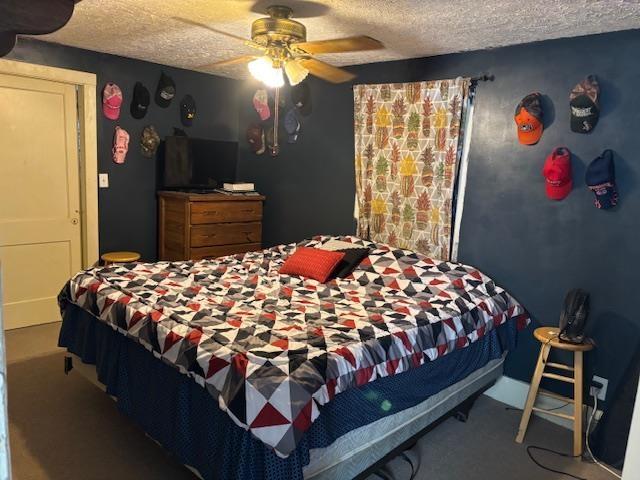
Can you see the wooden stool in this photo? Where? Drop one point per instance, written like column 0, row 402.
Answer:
column 548, row 336
column 120, row 257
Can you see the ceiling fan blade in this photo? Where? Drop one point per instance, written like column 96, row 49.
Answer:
column 337, row 45
column 325, row 71
column 220, row 32
column 224, row 63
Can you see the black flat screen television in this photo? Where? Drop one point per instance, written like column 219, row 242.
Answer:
column 197, row 164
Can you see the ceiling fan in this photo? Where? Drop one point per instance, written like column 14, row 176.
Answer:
column 283, row 46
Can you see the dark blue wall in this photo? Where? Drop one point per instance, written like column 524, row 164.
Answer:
column 536, row 248
column 127, row 209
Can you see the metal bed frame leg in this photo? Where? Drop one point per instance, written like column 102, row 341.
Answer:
column 461, row 413
column 68, row 364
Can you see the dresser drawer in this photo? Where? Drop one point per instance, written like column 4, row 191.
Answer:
column 223, row 250
column 225, row 234
column 221, row 212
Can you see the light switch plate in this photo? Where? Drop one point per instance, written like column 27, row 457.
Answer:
column 103, row 180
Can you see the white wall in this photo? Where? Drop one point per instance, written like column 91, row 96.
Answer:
column 632, row 458
column 5, row 463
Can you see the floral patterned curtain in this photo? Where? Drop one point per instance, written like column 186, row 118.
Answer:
column 407, row 142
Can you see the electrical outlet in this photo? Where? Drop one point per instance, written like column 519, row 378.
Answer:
column 103, row 180
column 602, row 393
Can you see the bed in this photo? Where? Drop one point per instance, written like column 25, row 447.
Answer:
column 242, row 372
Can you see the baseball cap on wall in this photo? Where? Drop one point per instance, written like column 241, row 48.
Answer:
column 140, row 101
column 301, row 98
column 111, row 101
column 557, row 173
column 187, row 110
column 585, row 109
column 601, row 180
column 120, row 145
column 149, row 141
column 255, row 138
column 261, row 104
column 165, row 91
column 528, row 118
column 292, row 125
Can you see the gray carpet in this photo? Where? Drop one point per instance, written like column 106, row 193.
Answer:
column 484, row 448
column 63, row 427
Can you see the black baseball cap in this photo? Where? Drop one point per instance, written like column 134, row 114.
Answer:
column 301, row 98
column 187, row 110
column 140, row 101
column 585, row 109
column 600, row 177
column 166, row 90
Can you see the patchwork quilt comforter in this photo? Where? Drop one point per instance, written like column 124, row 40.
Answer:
column 272, row 348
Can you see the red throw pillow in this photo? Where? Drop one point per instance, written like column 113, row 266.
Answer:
column 312, row 263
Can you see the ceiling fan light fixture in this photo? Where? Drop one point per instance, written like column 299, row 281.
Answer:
column 263, row 70
column 295, row 72
column 284, row 48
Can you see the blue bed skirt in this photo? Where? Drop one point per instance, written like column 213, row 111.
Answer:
column 186, row 420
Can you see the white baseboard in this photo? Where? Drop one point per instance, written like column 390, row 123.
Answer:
column 514, row 393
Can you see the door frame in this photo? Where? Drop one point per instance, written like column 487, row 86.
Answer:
column 85, row 83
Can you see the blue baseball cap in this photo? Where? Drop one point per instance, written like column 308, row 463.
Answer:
column 601, row 179
column 292, row 125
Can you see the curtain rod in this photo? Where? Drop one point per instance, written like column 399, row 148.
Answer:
column 483, row 78
column 473, row 80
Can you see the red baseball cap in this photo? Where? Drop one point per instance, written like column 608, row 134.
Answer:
column 557, row 172
column 111, row 101
column 528, row 118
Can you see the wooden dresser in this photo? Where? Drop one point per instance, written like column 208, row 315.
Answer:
column 193, row 226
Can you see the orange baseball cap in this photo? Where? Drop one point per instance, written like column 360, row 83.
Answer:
column 528, row 118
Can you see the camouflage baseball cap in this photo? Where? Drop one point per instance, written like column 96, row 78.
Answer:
column 149, row 141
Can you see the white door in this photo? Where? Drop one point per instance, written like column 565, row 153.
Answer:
column 40, row 243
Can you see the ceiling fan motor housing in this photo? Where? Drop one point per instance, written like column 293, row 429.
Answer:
column 278, row 28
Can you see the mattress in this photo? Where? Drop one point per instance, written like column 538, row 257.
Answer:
column 180, row 415
column 273, row 349
column 357, row 450
column 362, row 447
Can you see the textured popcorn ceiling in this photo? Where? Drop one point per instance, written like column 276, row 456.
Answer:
column 144, row 29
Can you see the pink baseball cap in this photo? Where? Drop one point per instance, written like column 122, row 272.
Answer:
column 261, row 104
column 111, row 101
column 120, row 145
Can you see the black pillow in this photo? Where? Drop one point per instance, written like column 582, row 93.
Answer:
column 352, row 258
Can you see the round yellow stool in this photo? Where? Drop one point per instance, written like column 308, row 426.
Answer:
column 120, row 257
column 549, row 338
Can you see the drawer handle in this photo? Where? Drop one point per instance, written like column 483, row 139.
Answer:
column 214, row 235
column 217, row 214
